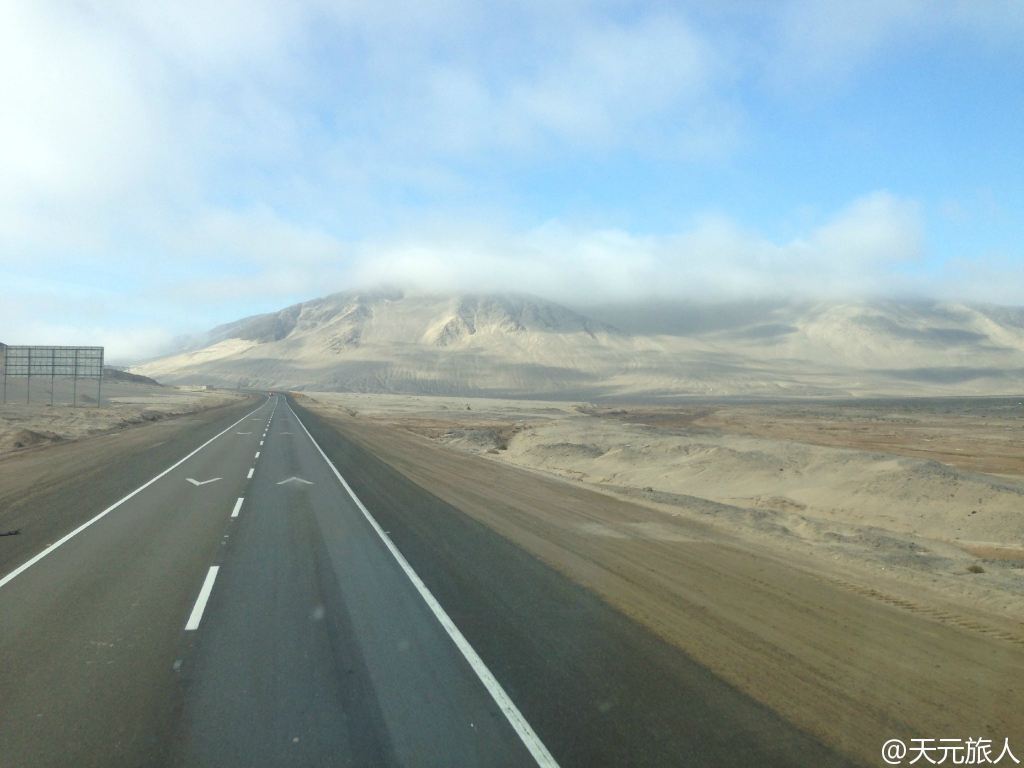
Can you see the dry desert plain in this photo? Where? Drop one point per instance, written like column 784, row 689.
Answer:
column 857, row 566
column 32, row 425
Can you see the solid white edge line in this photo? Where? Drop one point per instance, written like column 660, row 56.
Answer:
column 238, row 506
column 515, row 718
column 251, row 470
column 204, row 595
column 68, row 536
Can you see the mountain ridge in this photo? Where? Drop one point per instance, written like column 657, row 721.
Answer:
column 516, row 345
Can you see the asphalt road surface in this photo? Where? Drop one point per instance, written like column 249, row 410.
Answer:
column 243, row 607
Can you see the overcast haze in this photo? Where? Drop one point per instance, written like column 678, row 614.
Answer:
column 163, row 170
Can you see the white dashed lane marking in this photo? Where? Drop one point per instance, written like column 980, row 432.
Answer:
column 204, row 596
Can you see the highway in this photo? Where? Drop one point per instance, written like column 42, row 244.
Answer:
column 244, row 606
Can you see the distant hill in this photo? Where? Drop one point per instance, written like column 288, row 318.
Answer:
column 112, row 373
column 505, row 345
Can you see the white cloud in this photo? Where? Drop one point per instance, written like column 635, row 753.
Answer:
column 227, row 260
column 877, row 228
column 611, row 79
column 827, row 38
column 579, row 81
column 256, row 236
column 103, row 126
column 993, row 277
column 860, row 249
column 120, row 112
column 77, row 123
column 815, row 40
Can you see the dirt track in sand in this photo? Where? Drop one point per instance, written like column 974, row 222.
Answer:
column 850, row 663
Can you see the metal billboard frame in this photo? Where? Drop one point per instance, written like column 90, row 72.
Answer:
column 53, row 363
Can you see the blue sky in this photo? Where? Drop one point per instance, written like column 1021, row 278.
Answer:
column 167, row 168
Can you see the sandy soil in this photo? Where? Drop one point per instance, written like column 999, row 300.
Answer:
column 36, row 424
column 836, row 484
column 833, row 583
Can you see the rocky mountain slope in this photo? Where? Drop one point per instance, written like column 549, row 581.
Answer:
column 392, row 341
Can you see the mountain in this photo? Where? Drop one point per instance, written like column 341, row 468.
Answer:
column 517, row 346
column 115, row 373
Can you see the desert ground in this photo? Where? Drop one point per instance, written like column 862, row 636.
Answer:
column 931, row 490
column 25, row 426
column 857, row 566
